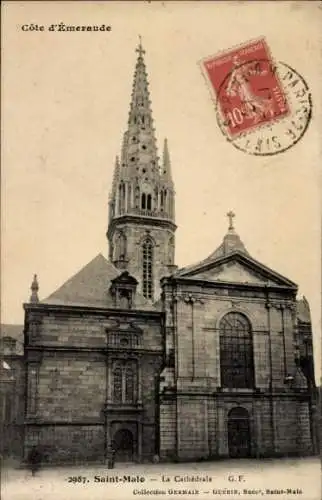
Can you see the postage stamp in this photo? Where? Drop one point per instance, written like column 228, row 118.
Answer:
column 263, row 107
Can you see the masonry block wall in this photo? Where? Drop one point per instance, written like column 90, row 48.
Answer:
column 277, row 417
column 197, row 335
column 69, row 359
column 67, row 443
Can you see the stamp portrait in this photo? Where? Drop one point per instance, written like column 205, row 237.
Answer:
column 263, row 107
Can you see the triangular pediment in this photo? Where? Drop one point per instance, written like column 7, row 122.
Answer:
column 235, row 268
column 125, row 279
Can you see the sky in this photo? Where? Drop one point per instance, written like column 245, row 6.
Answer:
column 65, row 103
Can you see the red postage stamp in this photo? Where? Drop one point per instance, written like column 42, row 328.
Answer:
column 246, row 87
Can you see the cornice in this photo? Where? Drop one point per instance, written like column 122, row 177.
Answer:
column 90, row 310
column 203, row 283
column 140, row 220
column 104, row 350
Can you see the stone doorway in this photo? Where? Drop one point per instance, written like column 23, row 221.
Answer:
column 123, row 444
column 239, row 438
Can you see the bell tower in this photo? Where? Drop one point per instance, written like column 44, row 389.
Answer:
column 142, row 200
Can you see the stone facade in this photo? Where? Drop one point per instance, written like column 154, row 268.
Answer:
column 132, row 354
column 71, row 409
column 274, row 408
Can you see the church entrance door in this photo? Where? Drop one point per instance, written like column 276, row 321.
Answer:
column 123, row 445
column 238, row 433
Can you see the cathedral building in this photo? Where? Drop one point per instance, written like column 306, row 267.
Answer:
column 132, row 353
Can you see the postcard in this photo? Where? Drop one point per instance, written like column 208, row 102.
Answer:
column 161, row 250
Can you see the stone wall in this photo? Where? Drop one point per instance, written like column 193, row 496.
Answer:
column 71, row 386
column 194, row 331
column 67, row 443
column 168, row 428
column 70, row 360
column 203, row 426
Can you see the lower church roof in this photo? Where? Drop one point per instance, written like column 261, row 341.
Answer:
column 90, row 287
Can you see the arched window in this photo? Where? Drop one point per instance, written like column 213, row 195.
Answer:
column 143, row 201
column 124, row 382
column 147, row 258
column 236, row 351
column 149, row 202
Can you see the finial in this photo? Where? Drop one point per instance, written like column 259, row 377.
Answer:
column 34, row 290
column 140, row 49
column 230, row 216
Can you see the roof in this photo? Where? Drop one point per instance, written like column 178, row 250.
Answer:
column 90, row 287
column 13, row 331
column 231, row 248
column 303, row 310
column 230, row 244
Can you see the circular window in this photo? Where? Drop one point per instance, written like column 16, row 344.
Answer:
column 124, row 341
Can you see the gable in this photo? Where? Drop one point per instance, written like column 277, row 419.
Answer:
column 236, row 268
column 234, row 272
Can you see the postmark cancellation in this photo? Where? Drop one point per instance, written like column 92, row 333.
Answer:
column 263, row 107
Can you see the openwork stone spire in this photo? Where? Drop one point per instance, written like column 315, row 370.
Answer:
column 140, row 151
column 166, row 165
column 140, row 185
column 141, row 223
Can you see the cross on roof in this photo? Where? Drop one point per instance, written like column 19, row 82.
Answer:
column 140, row 49
column 230, row 216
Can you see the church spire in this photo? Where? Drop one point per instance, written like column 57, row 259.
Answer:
column 141, row 224
column 139, row 154
column 140, row 186
column 166, row 165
